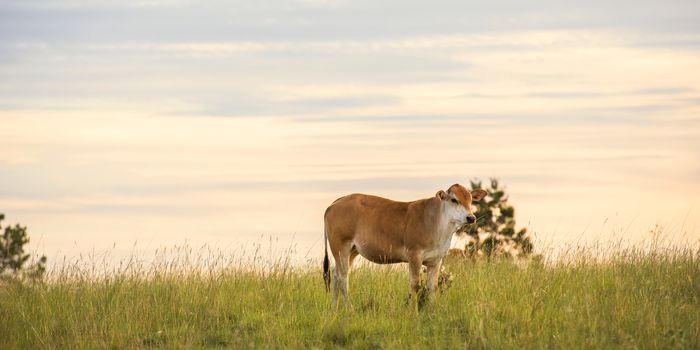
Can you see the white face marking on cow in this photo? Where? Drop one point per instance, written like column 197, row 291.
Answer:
column 456, row 211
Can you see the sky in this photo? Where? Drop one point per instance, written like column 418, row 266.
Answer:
column 129, row 126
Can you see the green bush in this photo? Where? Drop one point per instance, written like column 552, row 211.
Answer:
column 12, row 257
column 495, row 233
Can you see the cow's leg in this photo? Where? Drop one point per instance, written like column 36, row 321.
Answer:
column 336, row 279
column 340, row 274
column 414, row 265
column 353, row 254
column 433, row 273
column 335, row 285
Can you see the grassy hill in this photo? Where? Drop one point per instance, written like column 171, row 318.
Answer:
column 630, row 299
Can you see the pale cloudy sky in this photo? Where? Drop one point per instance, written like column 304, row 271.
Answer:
column 217, row 122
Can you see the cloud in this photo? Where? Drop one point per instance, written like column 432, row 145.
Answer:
column 112, row 21
column 664, row 91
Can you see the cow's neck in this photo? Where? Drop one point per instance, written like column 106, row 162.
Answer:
column 445, row 227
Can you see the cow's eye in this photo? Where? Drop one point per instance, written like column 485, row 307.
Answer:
column 454, row 201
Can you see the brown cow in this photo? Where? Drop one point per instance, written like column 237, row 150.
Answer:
column 386, row 232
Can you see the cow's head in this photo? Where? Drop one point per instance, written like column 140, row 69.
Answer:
column 457, row 203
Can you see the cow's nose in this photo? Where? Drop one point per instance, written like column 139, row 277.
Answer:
column 471, row 219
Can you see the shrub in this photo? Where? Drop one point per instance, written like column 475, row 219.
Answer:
column 12, row 256
column 494, row 233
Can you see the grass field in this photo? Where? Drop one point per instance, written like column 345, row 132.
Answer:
column 629, row 299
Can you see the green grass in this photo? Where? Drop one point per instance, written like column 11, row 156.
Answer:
column 631, row 299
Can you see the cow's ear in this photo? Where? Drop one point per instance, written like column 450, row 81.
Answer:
column 478, row 194
column 441, row 194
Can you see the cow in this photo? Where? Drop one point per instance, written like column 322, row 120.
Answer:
column 385, row 232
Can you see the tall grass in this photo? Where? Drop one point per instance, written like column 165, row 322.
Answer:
column 629, row 298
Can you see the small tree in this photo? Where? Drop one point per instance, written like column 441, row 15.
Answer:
column 494, row 233
column 12, row 256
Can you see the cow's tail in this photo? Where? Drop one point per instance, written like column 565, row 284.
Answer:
column 326, row 263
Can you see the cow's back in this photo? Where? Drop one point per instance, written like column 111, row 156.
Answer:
column 362, row 209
